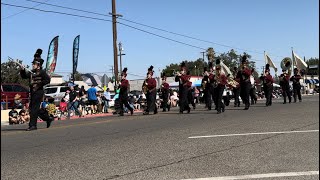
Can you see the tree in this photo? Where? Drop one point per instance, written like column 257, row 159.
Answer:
column 313, row 70
column 77, row 76
column 10, row 73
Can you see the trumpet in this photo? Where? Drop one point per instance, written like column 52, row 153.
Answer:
column 233, row 82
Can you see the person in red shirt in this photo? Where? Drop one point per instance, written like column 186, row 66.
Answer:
column 221, row 84
column 267, row 81
column 284, row 83
column 190, row 91
column 236, row 90
column 165, row 93
column 296, row 85
column 123, row 94
column 211, row 88
column 182, row 78
column 245, row 85
column 151, row 95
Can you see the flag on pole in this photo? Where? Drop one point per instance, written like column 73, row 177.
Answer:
column 225, row 69
column 298, row 62
column 75, row 54
column 52, row 56
column 270, row 62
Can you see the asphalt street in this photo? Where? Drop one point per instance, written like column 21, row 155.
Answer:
column 281, row 139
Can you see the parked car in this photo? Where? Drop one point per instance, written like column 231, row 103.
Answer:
column 56, row 92
column 9, row 90
column 113, row 98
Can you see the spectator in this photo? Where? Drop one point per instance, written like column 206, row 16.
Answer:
column 13, row 116
column 196, row 95
column 24, row 116
column 17, row 101
column 73, row 102
column 136, row 104
column 92, row 98
column 99, row 103
column 106, row 98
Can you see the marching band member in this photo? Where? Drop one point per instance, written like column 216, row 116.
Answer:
column 253, row 96
column 267, row 81
column 211, row 88
column 244, row 76
column 182, row 78
column 221, row 84
column 190, row 91
column 205, row 83
column 296, row 85
column 123, row 94
column 284, row 83
column 165, row 93
column 151, row 95
column 236, row 89
column 38, row 79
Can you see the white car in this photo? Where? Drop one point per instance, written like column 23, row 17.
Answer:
column 56, row 92
column 113, row 98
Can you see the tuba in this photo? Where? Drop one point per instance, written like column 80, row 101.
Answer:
column 286, row 64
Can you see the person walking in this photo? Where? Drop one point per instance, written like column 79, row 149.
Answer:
column 38, row 79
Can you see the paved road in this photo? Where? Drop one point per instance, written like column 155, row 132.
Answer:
column 285, row 141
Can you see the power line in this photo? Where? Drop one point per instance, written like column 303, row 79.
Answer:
column 56, row 12
column 23, row 11
column 160, row 29
column 87, row 17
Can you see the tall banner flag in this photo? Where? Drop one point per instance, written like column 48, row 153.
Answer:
column 225, row 69
column 298, row 62
column 75, row 55
column 270, row 62
column 52, row 56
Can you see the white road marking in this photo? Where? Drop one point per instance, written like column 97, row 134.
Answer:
column 255, row 176
column 247, row 134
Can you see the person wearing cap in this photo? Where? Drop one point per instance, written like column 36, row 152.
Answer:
column 190, row 91
column 244, row 75
column 182, row 78
column 205, row 86
column 123, row 94
column 151, row 95
column 252, row 93
column 267, row 82
column 236, row 90
column 221, row 84
column 285, row 87
column 38, row 79
column 165, row 93
column 211, row 88
column 296, row 85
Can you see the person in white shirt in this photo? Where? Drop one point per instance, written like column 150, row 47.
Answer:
column 106, row 98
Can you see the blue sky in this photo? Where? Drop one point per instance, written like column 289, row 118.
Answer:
column 273, row 26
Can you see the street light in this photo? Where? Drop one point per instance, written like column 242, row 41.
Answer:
column 120, row 54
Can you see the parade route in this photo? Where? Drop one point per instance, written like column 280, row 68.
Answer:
column 277, row 142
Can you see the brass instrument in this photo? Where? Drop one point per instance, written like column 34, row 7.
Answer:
column 286, row 64
column 145, row 86
column 232, row 82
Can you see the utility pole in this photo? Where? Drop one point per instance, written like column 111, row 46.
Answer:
column 114, row 30
column 203, row 55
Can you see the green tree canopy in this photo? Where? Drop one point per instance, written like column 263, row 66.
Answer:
column 10, row 73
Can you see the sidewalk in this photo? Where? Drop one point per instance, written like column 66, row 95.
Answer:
column 6, row 122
